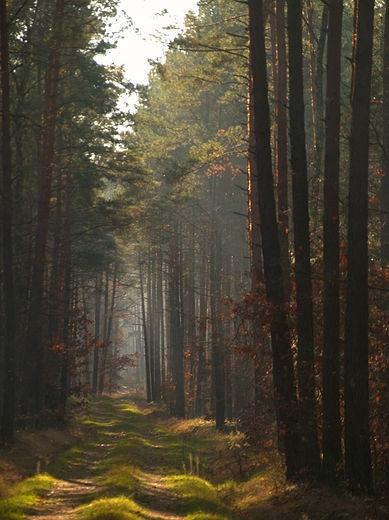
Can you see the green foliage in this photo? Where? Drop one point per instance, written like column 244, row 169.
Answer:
column 188, row 105
column 24, row 496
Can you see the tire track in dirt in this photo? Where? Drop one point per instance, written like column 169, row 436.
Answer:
column 80, row 485
column 153, row 492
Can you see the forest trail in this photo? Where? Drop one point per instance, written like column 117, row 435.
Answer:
column 139, row 463
column 83, row 482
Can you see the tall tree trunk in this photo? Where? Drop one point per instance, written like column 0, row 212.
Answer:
column 191, row 328
column 218, row 358
column 332, row 450
column 310, row 455
column 10, row 355
column 150, row 321
column 283, row 375
column 176, row 335
column 319, row 79
column 56, row 264
column 162, row 320
column 254, row 218
column 312, row 71
column 57, row 310
column 107, row 335
column 145, row 335
column 35, row 352
column 357, row 427
column 103, row 353
column 157, row 290
column 201, row 362
column 282, row 145
column 317, row 69
column 228, row 332
column 66, row 254
column 98, row 288
column 385, row 152
column 64, row 370
column 87, row 370
column 256, row 259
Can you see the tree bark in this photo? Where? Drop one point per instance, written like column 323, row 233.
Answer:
column 150, row 321
column 332, row 450
column 145, row 336
column 310, row 455
column 176, row 336
column 385, row 152
column 218, row 357
column 103, row 353
column 319, row 79
column 66, row 254
column 357, row 427
column 201, row 362
column 107, row 335
column 98, row 287
column 10, row 375
column 161, row 305
column 157, row 291
column 282, row 146
column 283, row 375
column 35, row 353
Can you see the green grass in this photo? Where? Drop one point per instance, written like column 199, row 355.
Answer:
column 119, row 508
column 24, row 495
column 196, row 495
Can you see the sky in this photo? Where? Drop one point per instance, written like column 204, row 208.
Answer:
column 146, row 39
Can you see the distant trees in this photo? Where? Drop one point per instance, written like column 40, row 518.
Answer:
column 191, row 145
column 313, row 404
column 299, row 298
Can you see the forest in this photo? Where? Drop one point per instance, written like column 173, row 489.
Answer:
column 224, row 247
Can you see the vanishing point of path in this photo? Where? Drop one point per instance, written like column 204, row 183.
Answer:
column 82, row 482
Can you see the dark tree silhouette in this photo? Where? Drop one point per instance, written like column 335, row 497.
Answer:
column 283, row 375
column 9, row 406
column 332, row 451
column 357, row 428
column 310, row 455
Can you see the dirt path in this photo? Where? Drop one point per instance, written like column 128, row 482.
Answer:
column 63, row 499
column 80, row 485
column 152, row 491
